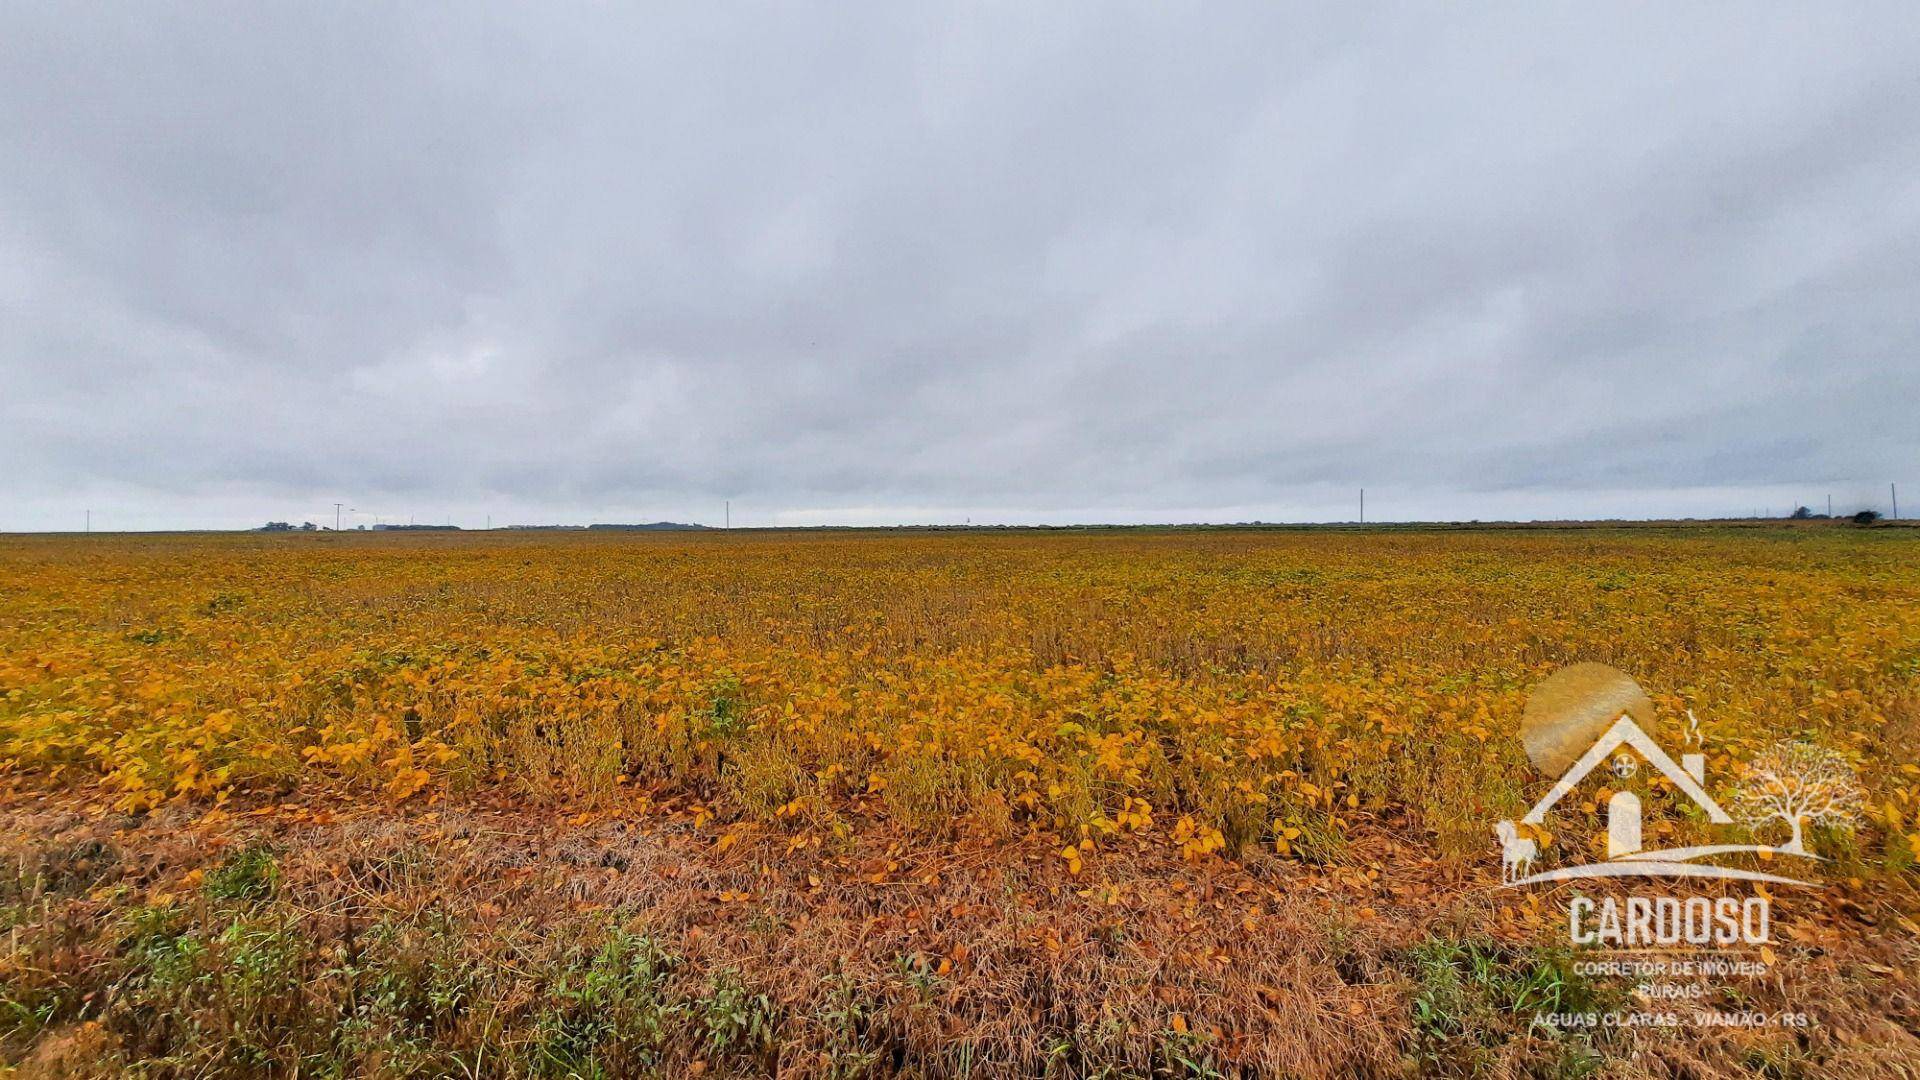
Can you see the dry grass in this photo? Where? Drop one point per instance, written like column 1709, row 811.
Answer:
column 1132, row 804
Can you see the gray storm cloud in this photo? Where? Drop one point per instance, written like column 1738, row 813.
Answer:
column 878, row 264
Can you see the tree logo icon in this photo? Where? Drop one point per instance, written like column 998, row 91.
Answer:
column 1797, row 783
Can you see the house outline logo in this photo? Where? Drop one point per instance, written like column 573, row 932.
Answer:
column 1626, row 854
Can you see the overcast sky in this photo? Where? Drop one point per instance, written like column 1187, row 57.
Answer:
column 1010, row 263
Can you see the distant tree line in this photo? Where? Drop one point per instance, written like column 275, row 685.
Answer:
column 1864, row 517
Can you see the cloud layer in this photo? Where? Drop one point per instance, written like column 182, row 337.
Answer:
column 838, row 265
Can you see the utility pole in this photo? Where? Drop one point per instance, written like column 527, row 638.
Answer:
column 336, row 516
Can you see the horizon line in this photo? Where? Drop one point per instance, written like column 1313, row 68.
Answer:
column 665, row 526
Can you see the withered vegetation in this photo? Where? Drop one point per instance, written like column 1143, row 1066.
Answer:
column 1123, row 804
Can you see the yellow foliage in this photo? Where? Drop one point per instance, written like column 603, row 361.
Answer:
column 1244, row 686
